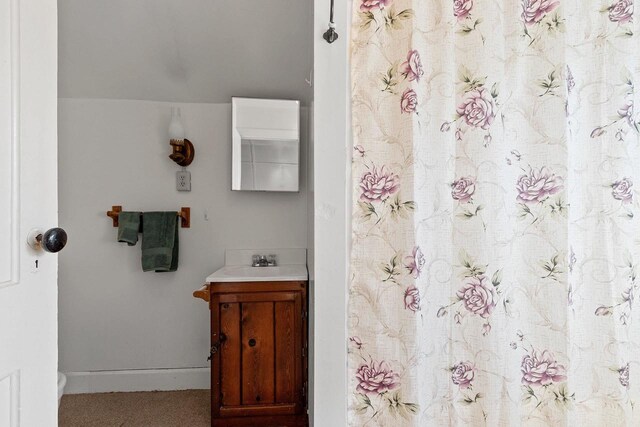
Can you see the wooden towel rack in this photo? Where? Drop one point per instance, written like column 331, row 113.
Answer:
column 184, row 214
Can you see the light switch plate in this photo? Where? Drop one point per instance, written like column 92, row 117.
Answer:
column 183, row 181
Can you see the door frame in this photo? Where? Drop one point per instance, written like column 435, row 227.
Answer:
column 332, row 226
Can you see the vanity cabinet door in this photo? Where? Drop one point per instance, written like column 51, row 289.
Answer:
column 258, row 368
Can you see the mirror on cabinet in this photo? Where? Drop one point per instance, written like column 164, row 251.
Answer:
column 265, row 144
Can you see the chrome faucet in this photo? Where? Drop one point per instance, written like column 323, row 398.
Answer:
column 264, row 261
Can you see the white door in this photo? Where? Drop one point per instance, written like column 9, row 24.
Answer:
column 28, row 199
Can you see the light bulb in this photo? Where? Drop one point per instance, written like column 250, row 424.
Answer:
column 176, row 129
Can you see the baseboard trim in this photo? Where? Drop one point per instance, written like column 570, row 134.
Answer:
column 137, row 380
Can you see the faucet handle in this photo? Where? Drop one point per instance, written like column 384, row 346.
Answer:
column 263, row 261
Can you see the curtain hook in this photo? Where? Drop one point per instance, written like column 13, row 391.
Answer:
column 330, row 35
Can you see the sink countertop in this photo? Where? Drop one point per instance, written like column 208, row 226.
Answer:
column 245, row 273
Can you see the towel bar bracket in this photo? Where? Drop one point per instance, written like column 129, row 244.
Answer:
column 184, row 213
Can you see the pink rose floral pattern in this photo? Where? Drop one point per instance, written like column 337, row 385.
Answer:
column 367, row 5
column 622, row 190
column 477, row 108
column 381, row 14
column 540, row 372
column 477, row 296
column 463, row 189
column 533, row 11
column 409, row 101
column 379, row 195
column 378, row 185
column 626, row 112
column 412, row 299
column 462, row 8
column 467, row 25
column 462, row 375
column 540, row 19
column 494, row 230
column 624, row 375
column 413, row 66
column 415, row 262
column 377, row 385
column 621, row 11
column 540, row 194
column 537, row 185
column 541, row 368
column 376, row 378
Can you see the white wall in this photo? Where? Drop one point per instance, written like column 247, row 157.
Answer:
column 332, row 185
column 114, row 317
column 185, row 50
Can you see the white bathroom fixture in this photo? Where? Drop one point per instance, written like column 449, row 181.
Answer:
column 292, row 267
column 240, row 273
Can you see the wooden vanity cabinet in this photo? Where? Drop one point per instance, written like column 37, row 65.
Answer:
column 258, row 354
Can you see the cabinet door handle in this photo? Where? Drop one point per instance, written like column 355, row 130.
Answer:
column 216, row 346
column 213, row 351
column 252, row 342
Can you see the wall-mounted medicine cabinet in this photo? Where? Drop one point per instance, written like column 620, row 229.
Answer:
column 265, row 144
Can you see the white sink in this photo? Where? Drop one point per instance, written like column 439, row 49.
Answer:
column 243, row 273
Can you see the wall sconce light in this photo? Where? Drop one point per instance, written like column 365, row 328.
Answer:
column 183, row 150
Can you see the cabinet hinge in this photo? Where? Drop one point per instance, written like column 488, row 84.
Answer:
column 304, row 390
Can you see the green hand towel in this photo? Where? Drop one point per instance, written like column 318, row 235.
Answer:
column 159, row 241
column 128, row 227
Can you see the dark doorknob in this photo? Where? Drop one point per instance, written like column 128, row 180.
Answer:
column 52, row 240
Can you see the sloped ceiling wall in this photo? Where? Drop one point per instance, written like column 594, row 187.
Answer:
column 185, row 50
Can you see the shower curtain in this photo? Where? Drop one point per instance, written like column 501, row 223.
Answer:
column 496, row 228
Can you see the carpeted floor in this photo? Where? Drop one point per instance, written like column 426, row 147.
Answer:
column 140, row 409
